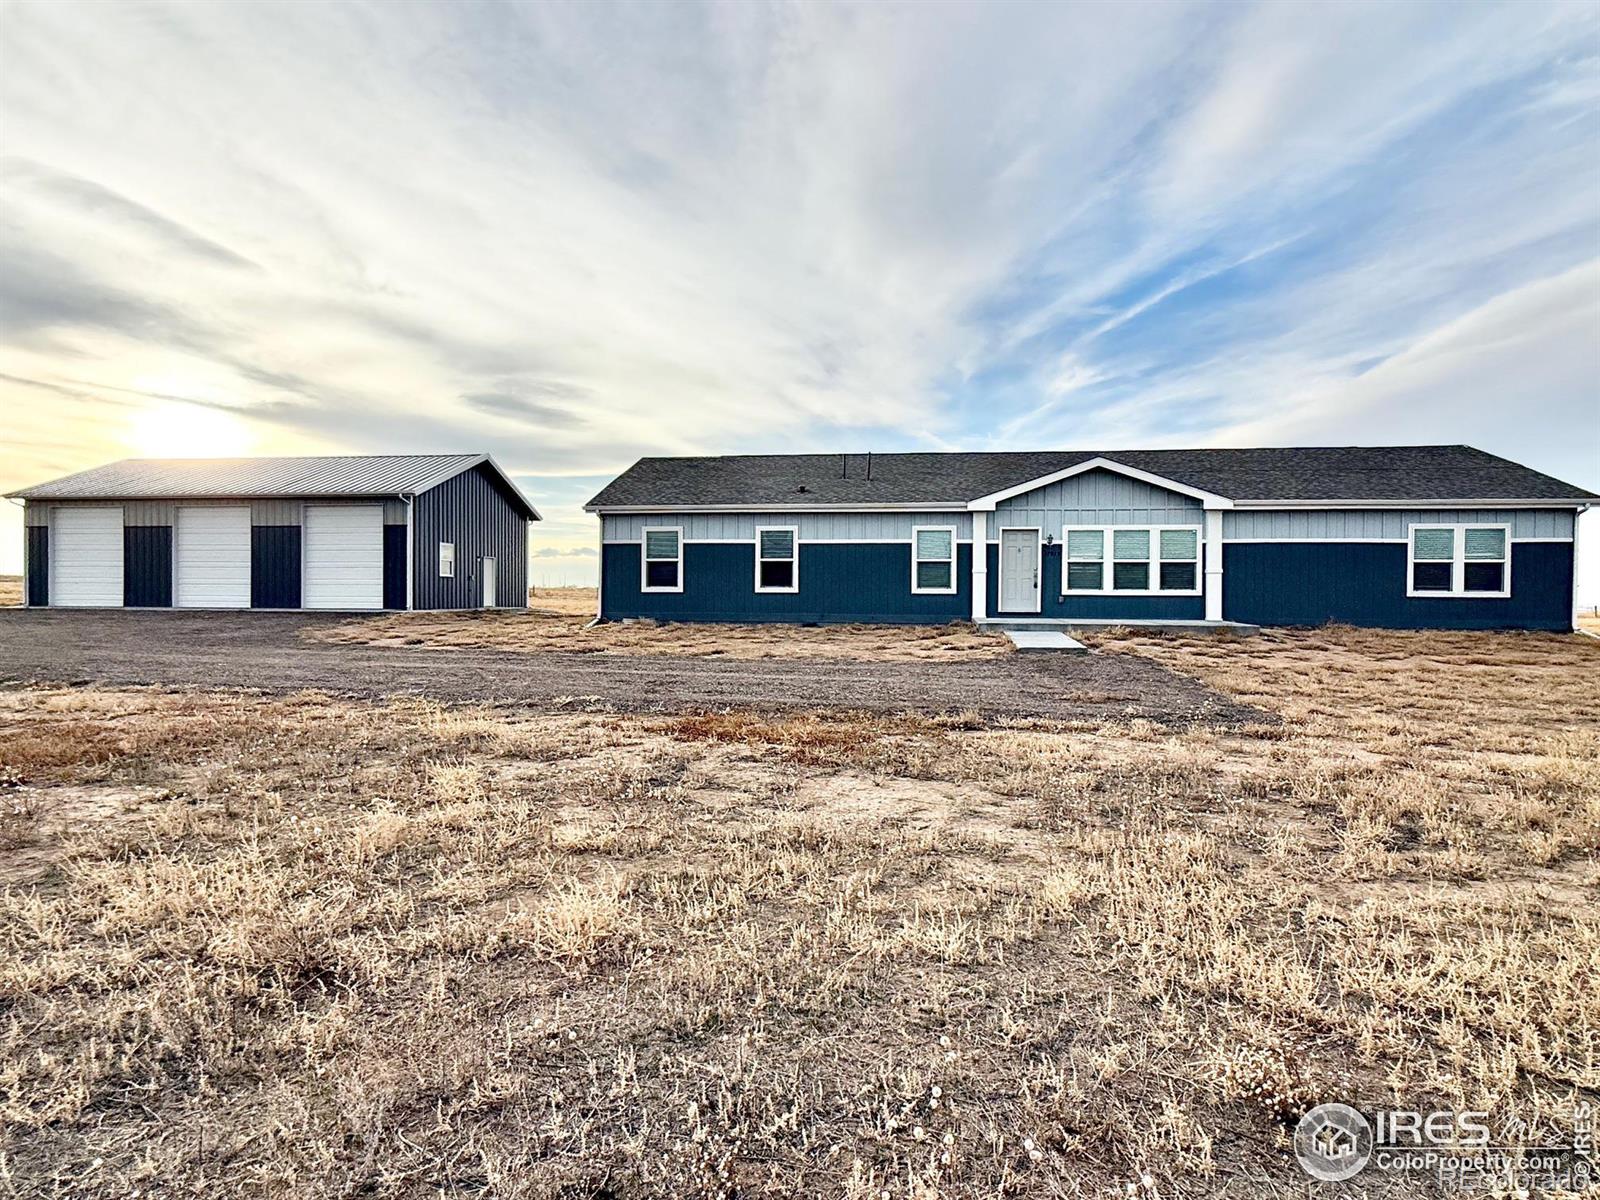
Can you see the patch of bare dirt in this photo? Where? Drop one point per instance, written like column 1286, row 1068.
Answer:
column 560, row 624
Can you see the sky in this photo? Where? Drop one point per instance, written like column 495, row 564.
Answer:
column 575, row 234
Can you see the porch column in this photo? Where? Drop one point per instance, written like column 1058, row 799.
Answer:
column 1213, row 564
column 980, row 565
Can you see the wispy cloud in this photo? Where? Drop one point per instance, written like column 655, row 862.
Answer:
column 576, row 234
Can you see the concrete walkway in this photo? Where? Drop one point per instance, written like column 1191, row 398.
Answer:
column 1028, row 641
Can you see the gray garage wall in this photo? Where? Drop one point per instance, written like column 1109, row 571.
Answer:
column 472, row 512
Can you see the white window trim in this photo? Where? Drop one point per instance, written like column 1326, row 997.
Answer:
column 451, row 573
column 1458, row 575
column 954, row 557
column 1000, row 582
column 645, row 560
column 1108, row 571
column 794, row 547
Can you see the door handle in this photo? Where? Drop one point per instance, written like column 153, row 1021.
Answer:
column 1036, row 577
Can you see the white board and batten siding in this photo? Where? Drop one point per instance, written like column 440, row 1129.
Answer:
column 211, row 556
column 86, row 557
column 343, row 556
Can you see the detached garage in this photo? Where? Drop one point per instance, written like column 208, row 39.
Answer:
column 341, row 534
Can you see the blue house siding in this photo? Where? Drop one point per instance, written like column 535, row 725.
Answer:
column 1055, row 606
column 38, row 552
column 839, row 582
column 147, row 566
column 1312, row 583
column 275, row 566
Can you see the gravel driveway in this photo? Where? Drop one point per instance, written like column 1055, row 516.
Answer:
column 265, row 651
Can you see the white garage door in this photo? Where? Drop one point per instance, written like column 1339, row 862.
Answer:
column 211, row 557
column 86, row 558
column 343, row 556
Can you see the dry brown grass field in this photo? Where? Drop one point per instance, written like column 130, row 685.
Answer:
column 310, row 947
column 556, row 620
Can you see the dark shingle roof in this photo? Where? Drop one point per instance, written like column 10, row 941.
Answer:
column 247, row 478
column 1278, row 473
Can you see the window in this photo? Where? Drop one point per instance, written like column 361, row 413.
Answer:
column 1180, row 560
column 777, row 567
column 662, row 563
column 1130, row 555
column 447, row 560
column 1086, row 553
column 933, row 559
column 1148, row 560
column 1460, row 560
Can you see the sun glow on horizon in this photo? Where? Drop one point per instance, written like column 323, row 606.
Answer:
column 172, row 429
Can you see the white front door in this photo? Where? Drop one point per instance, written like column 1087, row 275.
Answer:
column 488, row 583
column 343, row 549
column 85, row 560
column 211, row 557
column 1019, row 570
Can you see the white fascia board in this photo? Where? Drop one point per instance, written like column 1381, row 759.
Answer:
column 756, row 507
column 1209, row 499
column 1475, row 503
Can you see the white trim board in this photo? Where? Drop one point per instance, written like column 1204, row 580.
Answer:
column 1479, row 503
column 755, row 507
column 1400, row 541
column 805, row 541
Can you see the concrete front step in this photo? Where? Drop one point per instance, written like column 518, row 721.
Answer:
column 1059, row 624
column 1028, row 641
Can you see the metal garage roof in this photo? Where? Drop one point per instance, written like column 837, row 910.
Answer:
column 250, row 478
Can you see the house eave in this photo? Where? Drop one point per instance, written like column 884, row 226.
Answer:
column 758, row 507
column 1478, row 502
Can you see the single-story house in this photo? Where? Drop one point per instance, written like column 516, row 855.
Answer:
column 390, row 531
column 1389, row 536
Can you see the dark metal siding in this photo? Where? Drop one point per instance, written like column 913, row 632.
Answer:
column 394, row 566
column 1312, row 583
column 471, row 511
column 1093, row 608
column 275, row 566
column 841, row 582
column 38, row 551
column 147, row 566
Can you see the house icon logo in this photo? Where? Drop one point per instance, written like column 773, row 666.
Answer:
column 1332, row 1142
